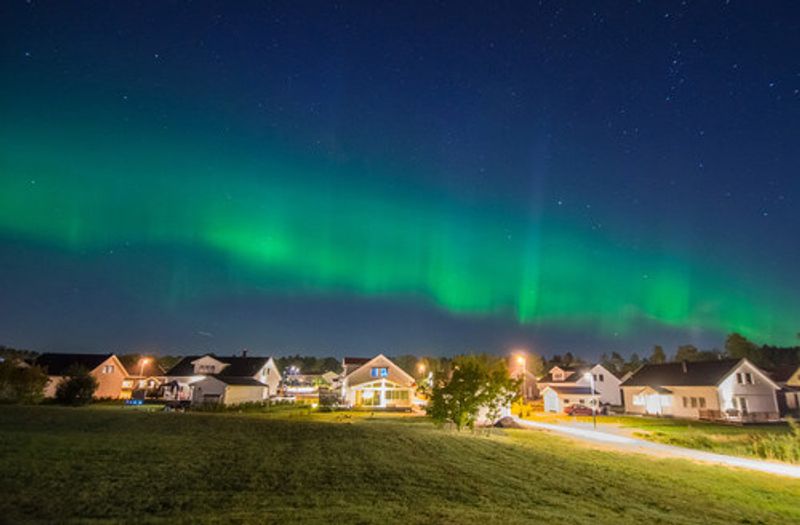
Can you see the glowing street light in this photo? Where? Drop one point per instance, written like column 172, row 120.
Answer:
column 590, row 377
column 521, row 362
column 143, row 361
column 421, row 368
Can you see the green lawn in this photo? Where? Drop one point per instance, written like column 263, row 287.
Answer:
column 106, row 466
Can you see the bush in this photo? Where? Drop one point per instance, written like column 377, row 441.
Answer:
column 784, row 447
column 20, row 384
column 77, row 388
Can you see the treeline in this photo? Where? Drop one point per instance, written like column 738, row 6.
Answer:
column 736, row 347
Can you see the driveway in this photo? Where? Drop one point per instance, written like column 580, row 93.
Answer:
column 640, row 446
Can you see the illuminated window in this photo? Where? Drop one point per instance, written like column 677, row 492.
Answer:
column 379, row 372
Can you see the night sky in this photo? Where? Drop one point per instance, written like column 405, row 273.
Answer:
column 429, row 178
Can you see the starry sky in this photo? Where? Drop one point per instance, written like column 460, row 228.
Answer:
column 432, row 178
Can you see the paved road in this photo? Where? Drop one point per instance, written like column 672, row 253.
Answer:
column 641, row 446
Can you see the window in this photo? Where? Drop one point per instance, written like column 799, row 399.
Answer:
column 602, row 379
column 702, row 402
column 206, row 369
column 566, row 401
column 108, row 369
column 694, row 402
column 638, row 400
column 739, row 377
column 379, row 372
column 685, row 402
column 748, row 378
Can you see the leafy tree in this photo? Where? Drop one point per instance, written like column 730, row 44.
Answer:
column 738, row 347
column 658, row 356
column 77, row 388
column 687, row 353
column 475, row 382
column 536, row 365
column 632, row 364
column 21, row 384
column 614, row 363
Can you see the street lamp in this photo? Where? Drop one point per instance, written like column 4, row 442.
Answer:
column 521, row 362
column 143, row 361
column 590, row 377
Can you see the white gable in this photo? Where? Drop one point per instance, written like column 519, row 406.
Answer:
column 208, row 365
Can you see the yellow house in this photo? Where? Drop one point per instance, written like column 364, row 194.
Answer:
column 376, row 383
column 106, row 368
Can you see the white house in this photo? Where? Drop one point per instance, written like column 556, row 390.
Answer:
column 376, row 383
column 230, row 371
column 558, row 398
column 728, row 389
column 572, row 385
column 228, row 390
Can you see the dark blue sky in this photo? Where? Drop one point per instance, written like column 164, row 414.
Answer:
column 641, row 131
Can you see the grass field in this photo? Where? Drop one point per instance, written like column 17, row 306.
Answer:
column 106, row 466
column 738, row 440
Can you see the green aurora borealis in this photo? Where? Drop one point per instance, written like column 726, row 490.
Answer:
column 283, row 224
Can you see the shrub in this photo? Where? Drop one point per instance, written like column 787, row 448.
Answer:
column 77, row 388
column 785, row 447
column 20, row 384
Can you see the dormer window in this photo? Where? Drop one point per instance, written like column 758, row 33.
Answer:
column 206, row 369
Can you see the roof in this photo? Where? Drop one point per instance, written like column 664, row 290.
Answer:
column 783, row 373
column 573, row 377
column 150, row 369
column 58, row 364
column 239, row 381
column 572, row 390
column 699, row 373
column 356, row 360
column 237, row 366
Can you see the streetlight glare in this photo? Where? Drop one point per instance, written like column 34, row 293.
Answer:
column 521, row 360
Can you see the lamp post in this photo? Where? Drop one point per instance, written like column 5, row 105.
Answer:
column 143, row 361
column 521, row 362
column 590, row 376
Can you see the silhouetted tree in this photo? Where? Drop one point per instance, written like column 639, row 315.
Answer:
column 77, row 388
column 657, row 356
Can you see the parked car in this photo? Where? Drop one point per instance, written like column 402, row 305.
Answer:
column 583, row 410
column 578, row 410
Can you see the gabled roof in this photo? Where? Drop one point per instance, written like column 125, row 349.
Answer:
column 239, row 381
column 573, row 374
column 695, row 373
column 368, row 362
column 59, row 364
column 572, row 390
column 237, row 366
column 783, row 373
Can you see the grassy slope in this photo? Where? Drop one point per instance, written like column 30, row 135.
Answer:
column 60, row 464
column 714, row 437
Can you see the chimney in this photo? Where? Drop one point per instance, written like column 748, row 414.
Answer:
column 685, row 366
column 244, row 353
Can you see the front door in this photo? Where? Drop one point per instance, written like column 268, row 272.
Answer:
column 653, row 404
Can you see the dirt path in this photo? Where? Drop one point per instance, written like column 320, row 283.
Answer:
column 620, row 441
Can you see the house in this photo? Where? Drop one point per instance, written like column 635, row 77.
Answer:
column 376, row 383
column 309, row 388
column 181, row 379
column 220, row 389
column 788, row 378
column 559, row 397
column 726, row 389
column 105, row 368
column 145, row 379
column 568, row 382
